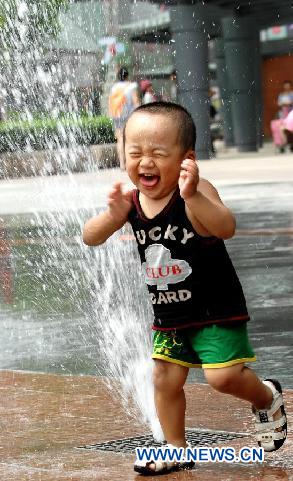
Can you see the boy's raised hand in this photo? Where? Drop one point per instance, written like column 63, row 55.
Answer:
column 189, row 178
column 119, row 203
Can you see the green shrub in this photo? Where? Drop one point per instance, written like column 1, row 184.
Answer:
column 54, row 133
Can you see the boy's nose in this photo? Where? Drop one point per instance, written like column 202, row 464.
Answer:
column 147, row 161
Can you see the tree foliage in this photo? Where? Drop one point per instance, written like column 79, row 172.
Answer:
column 31, row 19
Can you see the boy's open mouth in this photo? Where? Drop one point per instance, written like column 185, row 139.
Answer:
column 149, row 180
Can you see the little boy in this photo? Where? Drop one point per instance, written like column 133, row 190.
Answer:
column 200, row 314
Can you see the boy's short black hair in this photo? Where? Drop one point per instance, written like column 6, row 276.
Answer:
column 186, row 126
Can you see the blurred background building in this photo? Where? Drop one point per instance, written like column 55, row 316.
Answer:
column 185, row 48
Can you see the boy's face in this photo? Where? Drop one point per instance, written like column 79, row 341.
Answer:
column 153, row 153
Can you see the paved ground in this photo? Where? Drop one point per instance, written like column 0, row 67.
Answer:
column 44, row 417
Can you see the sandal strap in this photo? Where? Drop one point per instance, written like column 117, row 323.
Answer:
column 271, row 425
column 271, row 436
column 276, row 404
column 271, row 385
column 163, row 465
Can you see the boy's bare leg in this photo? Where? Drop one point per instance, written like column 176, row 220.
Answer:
column 169, row 380
column 242, row 382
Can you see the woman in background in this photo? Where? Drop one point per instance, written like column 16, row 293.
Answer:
column 123, row 100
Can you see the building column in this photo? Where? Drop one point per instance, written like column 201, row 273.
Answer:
column 222, row 80
column 240, row 46
column 188, row 27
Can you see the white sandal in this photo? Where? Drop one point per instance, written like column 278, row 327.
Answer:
column 161, row 467
column 271, row 433
column 158, row 467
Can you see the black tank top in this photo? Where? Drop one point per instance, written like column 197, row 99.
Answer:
column 191, row 279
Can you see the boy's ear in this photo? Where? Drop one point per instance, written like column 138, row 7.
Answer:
column 190, row 154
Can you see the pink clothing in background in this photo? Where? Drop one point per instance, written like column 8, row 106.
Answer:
column 276, row 128
column 288, row 122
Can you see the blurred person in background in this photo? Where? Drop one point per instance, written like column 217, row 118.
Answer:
column 173, row 87
column 214, row 118
column 148, row 94
column 285, row 99
column 288, row 130
column 285, row 104
column 123, row 100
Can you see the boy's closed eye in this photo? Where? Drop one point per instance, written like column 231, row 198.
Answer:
column 134, row 154
column 160, row 154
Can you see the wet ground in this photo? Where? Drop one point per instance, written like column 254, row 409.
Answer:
column 52, row 300
column 45, row 418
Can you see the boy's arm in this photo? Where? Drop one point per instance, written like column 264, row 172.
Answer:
column 204, row 208
column 98, row 229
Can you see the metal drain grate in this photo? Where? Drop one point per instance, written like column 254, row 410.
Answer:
column 194, row 436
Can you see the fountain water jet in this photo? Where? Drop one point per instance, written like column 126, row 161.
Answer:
column 112, row 308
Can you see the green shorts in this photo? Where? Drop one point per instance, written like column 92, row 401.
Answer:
column 212, row 346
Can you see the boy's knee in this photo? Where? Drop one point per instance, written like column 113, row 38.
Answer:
column 169, row 377
column 224, row 379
